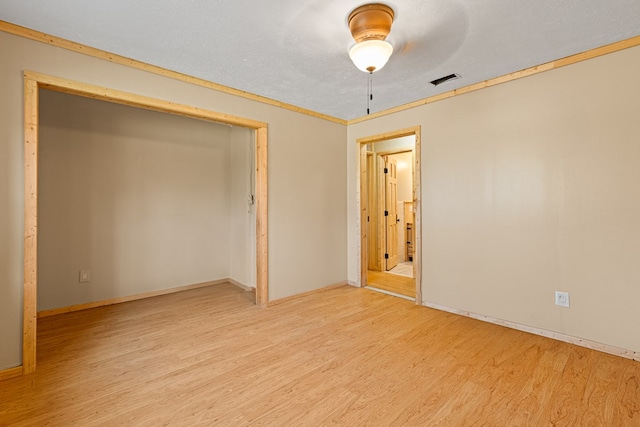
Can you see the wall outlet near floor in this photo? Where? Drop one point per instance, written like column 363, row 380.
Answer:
column 84, row 276
column 562, row 299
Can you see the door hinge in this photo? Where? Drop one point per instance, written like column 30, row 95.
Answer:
column 386, row 256
column 386, row 213
column 386, row 170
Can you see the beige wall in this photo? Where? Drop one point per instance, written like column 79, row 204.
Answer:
column 144, row 200
column 530, row 187
column 307, row 199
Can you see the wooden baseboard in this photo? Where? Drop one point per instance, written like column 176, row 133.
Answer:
column 393, row 294
column 616, row 351
column 304, row 294
column 241, row 285
column 10, row 373
column 111, row 301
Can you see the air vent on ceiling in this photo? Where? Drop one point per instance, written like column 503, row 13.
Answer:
column 444, row 79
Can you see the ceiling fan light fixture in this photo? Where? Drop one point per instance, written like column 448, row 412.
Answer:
column 370, row 25
column 370, row 55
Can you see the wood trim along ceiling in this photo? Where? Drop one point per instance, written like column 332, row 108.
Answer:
column 122, row 60
column 579, row 57
column 97, row 53
column 32, row 83
column 417, row 202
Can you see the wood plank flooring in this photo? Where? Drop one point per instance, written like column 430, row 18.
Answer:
column 346, row 356
column 392, row 282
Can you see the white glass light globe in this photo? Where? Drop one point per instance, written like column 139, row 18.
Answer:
column 371, row 55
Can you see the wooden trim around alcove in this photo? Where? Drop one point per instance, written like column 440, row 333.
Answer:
column 32, row 83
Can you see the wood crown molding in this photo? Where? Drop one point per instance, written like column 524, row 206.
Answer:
column 121, row 60
column 129, row 62
column 572, row 59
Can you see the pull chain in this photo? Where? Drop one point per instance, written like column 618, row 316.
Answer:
column 369, row 90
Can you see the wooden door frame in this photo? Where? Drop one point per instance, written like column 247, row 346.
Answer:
column 417, row 202
column 35, row 81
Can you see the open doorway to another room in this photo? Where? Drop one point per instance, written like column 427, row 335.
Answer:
column 388, row 196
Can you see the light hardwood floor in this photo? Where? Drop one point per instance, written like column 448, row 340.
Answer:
column 345, row 356
column 392, row 282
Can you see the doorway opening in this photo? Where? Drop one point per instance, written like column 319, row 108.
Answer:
column 390, row 213
column 33, row 83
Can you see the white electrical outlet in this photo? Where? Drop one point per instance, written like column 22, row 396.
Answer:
column 562, row 299
column 84, row 276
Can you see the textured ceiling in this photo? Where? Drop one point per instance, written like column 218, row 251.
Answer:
column 295, row 51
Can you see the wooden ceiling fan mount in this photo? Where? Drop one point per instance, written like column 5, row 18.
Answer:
column 370, row 22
